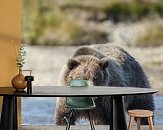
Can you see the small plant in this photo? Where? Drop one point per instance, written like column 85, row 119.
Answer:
column 20, row 57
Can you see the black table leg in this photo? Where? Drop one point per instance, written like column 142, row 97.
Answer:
column 9, row 113
column 118, row 118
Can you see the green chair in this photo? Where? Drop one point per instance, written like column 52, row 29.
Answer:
column 79, row 103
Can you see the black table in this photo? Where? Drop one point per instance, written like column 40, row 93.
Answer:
column 9, row 107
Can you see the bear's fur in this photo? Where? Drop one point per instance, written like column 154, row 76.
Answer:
column 104, row 65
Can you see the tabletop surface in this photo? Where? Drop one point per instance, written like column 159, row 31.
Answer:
column 65, row 91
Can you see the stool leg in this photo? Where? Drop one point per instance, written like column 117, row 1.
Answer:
column 131, row 123
column 150, row 122
column 138, row 123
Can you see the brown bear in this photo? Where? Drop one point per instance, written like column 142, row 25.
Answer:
column 104, row 65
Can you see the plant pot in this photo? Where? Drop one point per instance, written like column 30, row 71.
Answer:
column 18, row 82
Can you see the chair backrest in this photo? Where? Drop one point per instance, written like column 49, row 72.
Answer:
column 79, row 102
column 78, row 83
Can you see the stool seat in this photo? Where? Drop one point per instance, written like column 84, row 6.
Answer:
column 140, row 113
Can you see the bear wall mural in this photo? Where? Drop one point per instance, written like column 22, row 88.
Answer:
column 103, row 65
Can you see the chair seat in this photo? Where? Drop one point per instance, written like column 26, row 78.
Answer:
column 81, row 103
column 137, row 113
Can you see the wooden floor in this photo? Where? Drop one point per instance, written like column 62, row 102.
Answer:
column 99, row 127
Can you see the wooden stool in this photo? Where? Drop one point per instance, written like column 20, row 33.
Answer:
column 138, row 114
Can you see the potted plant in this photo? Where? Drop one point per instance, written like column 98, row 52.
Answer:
column 21, row 57
column 18, row 82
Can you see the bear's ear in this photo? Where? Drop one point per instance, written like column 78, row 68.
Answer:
column 104, row 63
column 72, row 63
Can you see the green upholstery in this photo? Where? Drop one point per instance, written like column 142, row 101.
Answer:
column 78, row 83
column 79, row 102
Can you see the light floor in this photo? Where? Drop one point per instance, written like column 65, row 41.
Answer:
column 100, row 127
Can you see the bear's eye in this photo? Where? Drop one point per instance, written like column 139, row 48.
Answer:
column 95, row 77
column 98, row 76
